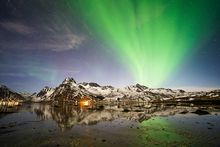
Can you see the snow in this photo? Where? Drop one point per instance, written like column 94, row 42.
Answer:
column 109, row 92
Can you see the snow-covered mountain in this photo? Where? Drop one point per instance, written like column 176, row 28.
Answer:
column 69, row 90
column 6, row 93
column 43, row 95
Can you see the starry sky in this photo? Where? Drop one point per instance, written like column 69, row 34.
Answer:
column 116, row 43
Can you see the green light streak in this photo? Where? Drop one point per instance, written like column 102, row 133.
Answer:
column 151, row 37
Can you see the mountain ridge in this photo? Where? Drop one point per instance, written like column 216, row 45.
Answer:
column 70, row 90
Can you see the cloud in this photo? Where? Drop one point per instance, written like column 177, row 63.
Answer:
column 62, row 42
column 35, row 70
column 13, row 74
column 17, row 27
column 57, row 38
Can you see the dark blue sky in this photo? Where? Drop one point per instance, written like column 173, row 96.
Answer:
column 42, row 42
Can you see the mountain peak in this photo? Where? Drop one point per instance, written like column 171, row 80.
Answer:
column 94, row 84
column 68, row 80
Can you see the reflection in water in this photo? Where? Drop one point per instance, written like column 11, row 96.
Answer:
column 111, row 125
column 159, row 131
column 66, row 116
column 9, row 109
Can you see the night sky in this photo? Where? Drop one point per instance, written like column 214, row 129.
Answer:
column 158, row 43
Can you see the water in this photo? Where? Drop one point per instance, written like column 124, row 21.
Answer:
column 116, row 125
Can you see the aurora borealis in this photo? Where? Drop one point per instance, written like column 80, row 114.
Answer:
column 158, row 43
column 151, row 37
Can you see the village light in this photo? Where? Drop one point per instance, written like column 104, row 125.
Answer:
column 85, row 103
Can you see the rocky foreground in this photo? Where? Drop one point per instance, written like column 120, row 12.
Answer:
column 70, row 91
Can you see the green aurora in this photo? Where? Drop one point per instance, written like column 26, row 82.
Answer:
column 151, row 37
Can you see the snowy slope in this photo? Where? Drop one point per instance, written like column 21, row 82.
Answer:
column 69, row 90
column 43, row 95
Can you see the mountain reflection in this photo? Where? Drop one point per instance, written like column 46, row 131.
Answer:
column 66, row 115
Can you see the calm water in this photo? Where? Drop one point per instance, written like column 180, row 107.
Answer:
column 120, row 125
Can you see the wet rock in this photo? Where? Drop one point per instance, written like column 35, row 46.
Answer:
column 3, row 127
column 2, row 132
column 210, row 124
column 126, row 110
column 201, row 112
column 138, row 110
column 49, row 130
column 6, row 126
column 184, row 112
